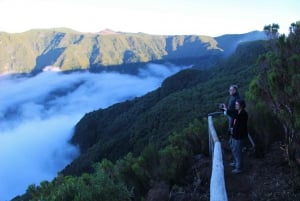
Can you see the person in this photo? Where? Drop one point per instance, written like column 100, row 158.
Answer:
column 234, row 95
column 239, row 133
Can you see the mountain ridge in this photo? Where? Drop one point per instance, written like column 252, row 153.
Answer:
column 67, row 49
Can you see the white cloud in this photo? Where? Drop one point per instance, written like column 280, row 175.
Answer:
column 38, row 114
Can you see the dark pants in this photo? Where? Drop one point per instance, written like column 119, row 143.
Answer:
column 236, row 149
column 230, row 124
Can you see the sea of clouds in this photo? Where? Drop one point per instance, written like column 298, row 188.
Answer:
column 38, row 115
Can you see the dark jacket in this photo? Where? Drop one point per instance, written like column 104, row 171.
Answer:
column 232, row 100
column 231, row 106
column 240, row 128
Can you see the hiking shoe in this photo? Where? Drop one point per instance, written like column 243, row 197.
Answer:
column 236, row 171
column 232, row 164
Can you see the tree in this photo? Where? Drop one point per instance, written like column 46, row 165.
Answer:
column 271, row 30
column 294, row 26
column 278, row 85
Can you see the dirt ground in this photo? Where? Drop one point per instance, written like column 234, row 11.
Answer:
column 268, row 178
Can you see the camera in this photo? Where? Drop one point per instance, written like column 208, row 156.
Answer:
column 221, row 106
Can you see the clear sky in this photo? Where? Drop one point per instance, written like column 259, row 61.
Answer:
column 167, row 17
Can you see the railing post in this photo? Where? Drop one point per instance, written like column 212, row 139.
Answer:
column 217, row 181
column 210, row 145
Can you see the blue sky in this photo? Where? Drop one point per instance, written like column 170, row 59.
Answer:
column 213, row 17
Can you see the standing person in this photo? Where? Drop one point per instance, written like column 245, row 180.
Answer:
column 239, row 133
column 234, row 95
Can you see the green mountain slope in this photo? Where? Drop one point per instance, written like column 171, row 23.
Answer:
column 67, row 49
column 152, row 141
column 188, row 95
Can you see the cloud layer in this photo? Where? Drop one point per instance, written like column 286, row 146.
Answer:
column 38, row 114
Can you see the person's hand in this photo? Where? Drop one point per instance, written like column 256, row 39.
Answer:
column 224, row 107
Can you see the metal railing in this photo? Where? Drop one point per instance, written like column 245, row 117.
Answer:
column 217, row 181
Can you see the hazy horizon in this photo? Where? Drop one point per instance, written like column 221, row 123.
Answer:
column 190, row 17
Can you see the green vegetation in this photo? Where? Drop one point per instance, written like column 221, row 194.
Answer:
column 139, row 173
column 277, row 86
column 153, row 138
column 271, row 30
column 133, row 145
column 67, row 49
column 88, row 187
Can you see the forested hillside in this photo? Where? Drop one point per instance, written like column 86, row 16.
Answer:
column 132, row 146
column 182, row 98
column 65, row 49
column 152, row 138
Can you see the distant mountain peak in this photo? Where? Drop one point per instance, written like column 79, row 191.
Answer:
column 107, row 32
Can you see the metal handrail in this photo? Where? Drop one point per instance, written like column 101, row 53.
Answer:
column 217, row 181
